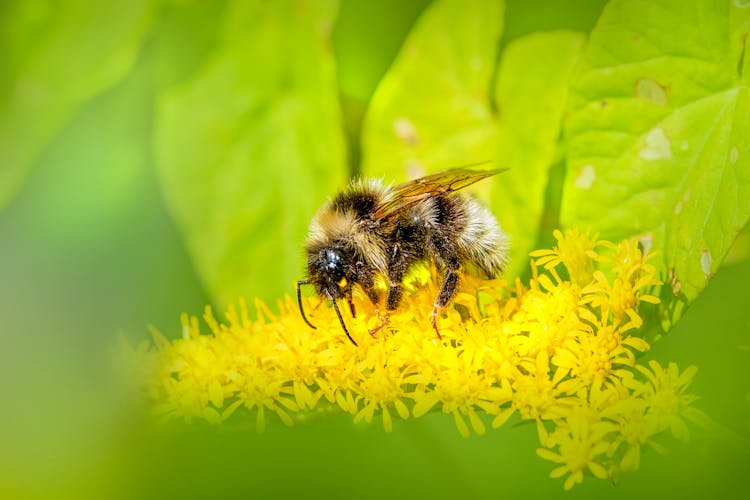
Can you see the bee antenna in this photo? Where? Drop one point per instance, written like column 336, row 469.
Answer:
column 299, row 301
column 341, row 319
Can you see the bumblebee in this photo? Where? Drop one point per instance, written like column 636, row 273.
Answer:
column 370, row 229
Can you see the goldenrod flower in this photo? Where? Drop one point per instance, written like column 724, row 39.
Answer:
column 560, row 350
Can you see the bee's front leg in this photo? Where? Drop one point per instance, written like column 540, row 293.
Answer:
column 367, row 282
column 351, row 305
column 383, row 322
column 375, row 298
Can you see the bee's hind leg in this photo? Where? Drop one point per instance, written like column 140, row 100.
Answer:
column 447, row 289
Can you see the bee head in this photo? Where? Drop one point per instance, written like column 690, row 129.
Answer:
column 327, row 271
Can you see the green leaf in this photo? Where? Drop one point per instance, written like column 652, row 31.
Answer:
column 54, row 56
column 186, row 34
column 360, row 63
column 250, row 147
column 531, row 94
column 432, row 109
column 657, row 136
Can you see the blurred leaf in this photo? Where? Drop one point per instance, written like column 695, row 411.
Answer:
column 54, row 56
column 432, row 109
column 186, row 34
column 657, row 136
column 531, row 93
column 251, row 146
column 523, row 17
column 360, row 63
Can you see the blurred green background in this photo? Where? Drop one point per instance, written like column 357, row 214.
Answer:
column 90, row 254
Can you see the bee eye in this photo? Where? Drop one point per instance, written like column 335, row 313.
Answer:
column 332, row 257
column 332, row 262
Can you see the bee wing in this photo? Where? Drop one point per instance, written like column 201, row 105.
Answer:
column 410, row 193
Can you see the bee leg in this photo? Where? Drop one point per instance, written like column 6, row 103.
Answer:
column 373, row 295
column 383, row 319
column 433, row 320
column 383, row 322
column 351, row 307
column 368, row 285
column 394, row 297
column 447, row 289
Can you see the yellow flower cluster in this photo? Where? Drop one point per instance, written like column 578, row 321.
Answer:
column 560, row 351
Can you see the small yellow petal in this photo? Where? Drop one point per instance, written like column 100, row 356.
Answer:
column 637, row 343
column 401, row 408
column 597, row 470
column 260, row 420
column 387, row 422
column 632, row 459
column 461, row 424
column 425, row 403
column 216, row 394
column 559, row 471
column 503, row 417
column 573, row 479
column 549, row 455
column 476, row 423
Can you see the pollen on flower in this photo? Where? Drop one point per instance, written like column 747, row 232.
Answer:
column 560, row 350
